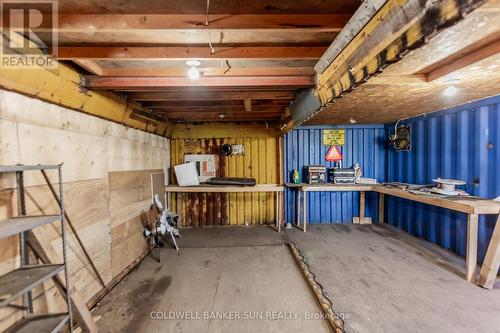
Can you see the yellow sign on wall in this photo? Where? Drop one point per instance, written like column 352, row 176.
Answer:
column 334, row 137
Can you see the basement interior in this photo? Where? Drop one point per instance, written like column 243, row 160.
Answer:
column 250, row 166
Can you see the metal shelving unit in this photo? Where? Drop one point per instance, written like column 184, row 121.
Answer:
column 20, row 282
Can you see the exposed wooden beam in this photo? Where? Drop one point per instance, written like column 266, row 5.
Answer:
column 272, row 121
column 225, row 108
column 124, row 83
column 90, row 66
column 189, row 52
column 214, row 103
column 212, row 114
column 248, row 104
column 482, row 49
column 210, row 96
column 126, row 22
column 151, row 71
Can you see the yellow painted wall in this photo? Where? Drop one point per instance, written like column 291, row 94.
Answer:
column 260, row 162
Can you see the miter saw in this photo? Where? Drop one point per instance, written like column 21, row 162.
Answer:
column 161, row 222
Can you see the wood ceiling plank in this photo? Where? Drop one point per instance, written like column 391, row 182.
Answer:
column 210, row 96
column 216, row 7
column 190, row 52
column 99, row 82
column 128, row 22
column 277, row 71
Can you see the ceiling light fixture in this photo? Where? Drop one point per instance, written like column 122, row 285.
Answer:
column 450, row 91
column 222, row 115
column 193, row 72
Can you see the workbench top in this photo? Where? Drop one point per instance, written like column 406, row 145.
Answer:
column 224, row 188
column 331, row 187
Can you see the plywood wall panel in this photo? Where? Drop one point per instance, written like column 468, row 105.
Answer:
column 105, row 206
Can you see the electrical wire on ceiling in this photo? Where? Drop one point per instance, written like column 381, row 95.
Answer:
column 208, row 8
column 212, row 50
column 228, row 67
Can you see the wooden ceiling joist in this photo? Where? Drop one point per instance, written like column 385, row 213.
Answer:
column 480, row 50
column 99, row 82
column 189, row 52
column 127, row 22
column 211, row 96
column 207, row 110
column 151, row 71
column 214, row 103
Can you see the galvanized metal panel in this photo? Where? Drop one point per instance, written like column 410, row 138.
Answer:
column 462, row 143
column 259, row 162
column 303, row 146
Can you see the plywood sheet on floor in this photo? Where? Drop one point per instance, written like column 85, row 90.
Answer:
column 388, row 281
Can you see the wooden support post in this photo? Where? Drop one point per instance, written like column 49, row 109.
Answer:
column 381, row 207
column 471, row 258
column 362, row 207
column 48, row 255
column 298, row 206
column 491, row 262
column 304, row 204
column 277, row 213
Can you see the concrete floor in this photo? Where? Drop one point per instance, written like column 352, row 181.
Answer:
column 379, row 278
column 245, row 272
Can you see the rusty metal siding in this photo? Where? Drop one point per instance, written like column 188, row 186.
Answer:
column 463, row 143
column 207, row 209
column 364, row 144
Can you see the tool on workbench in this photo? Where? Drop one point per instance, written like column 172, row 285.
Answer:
column 344, row 175
column 315, row 174
column 448, row 187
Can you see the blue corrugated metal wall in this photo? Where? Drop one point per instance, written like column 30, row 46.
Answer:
column 461, row 143
column 303, row 146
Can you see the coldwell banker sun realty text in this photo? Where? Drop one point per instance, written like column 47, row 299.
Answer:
column 29, row 34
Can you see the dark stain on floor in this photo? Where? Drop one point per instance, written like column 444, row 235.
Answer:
column 142, row 301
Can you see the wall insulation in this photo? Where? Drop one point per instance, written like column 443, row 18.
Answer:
column 461, row 143
column 363, row 144
column 106, row 176
column 260, row 161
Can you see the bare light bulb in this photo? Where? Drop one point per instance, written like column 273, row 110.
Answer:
column 450, row 91
column 193, row 73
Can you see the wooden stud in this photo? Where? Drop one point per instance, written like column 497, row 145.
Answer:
column 491, row 263
column 381, row 208
column 471, row 257
column 248, row 104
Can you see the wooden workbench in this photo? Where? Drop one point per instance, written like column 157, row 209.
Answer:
column 473, row 207
column 235, row 189
column 304, row 188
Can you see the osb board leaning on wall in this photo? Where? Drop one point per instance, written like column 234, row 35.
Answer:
column 260, row 162
column 106, row 189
